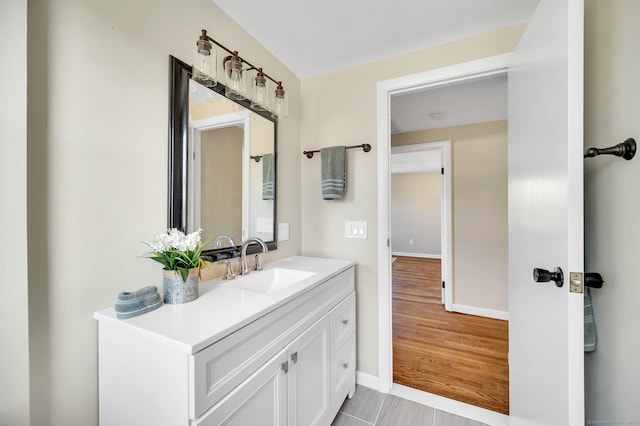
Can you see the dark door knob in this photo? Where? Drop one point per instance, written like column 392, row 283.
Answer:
column 593, row 280
column 543, row 276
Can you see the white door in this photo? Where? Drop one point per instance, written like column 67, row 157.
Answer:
column 546, row 217
column 259, row 400
column 308, row 377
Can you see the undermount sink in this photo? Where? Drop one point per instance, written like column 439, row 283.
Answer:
column 269, row 280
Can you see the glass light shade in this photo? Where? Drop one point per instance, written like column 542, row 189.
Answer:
column 260, row 97
column 235, row 80
column 205, row 64
column 280, row 103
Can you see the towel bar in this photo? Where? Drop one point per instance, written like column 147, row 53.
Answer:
column 365, row 147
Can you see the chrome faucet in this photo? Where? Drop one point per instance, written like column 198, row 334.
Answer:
column 218, row 243
column 228, row 275
column 244, row 269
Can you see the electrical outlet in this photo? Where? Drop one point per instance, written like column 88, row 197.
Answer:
column 410, row 241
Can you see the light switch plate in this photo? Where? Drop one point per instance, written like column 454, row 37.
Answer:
column 283, row 231
column 357, row 230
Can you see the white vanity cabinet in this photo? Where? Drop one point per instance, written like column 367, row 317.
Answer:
column 291, row 388
column 290, row 363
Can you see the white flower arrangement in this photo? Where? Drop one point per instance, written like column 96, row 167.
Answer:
column 177, row 251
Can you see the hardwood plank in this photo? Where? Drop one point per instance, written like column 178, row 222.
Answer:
column 458, row 356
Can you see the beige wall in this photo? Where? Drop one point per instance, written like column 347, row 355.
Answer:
column 340, row 108
column 416, row 213
column 612, row 202
column 479, row 202
column 14, row 322
column 97, row 169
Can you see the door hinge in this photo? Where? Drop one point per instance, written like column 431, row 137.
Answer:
column 442, row 284
column 285, row 367
column 442, row 171
column 294, row 357
column 388, row 242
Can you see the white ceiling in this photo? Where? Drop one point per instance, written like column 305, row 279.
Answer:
column 477, row 102
column 316, row 37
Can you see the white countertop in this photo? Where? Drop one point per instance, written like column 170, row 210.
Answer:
column 220, row 310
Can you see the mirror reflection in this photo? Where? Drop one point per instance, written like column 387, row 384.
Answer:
column 225, row 181
column 231, row 151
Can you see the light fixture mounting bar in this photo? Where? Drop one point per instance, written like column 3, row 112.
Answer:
column 240, row 58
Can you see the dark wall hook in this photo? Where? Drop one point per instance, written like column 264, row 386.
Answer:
column 626, row 150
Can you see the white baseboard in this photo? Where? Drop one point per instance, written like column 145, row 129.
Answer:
column 367, row 380
column 422, row 255
column 481, row 312
column 451, row 406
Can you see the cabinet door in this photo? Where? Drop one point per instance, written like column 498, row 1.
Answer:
column 309, row 359
column 259, row 400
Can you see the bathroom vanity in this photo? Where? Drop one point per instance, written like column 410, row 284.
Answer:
column 275, row 347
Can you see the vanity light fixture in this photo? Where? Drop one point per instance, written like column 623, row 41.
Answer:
column 260, row 99
column 205, row 63
column 204, row 71
column 235, row 88
column 281, row 105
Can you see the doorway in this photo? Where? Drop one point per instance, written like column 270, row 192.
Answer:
column 434, row 79
column 420, row 169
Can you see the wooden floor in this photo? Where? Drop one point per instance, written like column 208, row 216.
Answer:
column 458, row 356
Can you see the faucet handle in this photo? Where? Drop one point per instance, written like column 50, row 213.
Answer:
column 258, row 265
column 229, row 274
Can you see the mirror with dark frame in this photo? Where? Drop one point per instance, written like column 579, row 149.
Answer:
column 222, row 165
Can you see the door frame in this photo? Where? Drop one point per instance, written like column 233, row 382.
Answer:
column 446, row 212
column 240, row 119
column 440, row 77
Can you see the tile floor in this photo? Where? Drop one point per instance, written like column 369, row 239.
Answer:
column 369, row 407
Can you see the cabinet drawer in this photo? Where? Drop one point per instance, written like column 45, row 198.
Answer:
column 343, row 372
column 343, row 322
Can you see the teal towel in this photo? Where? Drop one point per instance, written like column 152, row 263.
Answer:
column 129, row 305
column 268, row 174
column 333, row 170
column 590, row 337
